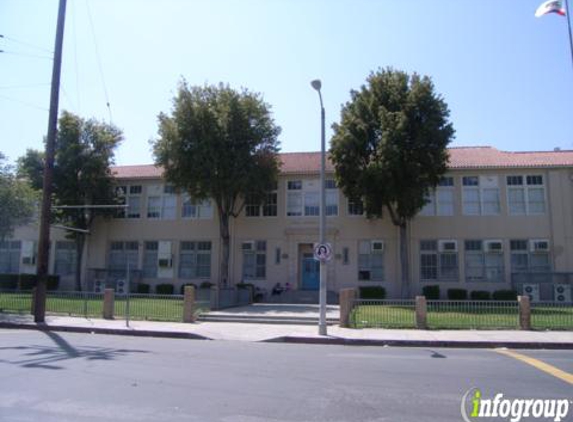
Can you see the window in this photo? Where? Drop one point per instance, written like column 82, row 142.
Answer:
column 123, row 253
column 371, row 260
column 162, row 206
column 481, row 195
column 525, row 257
column 195, row 260
column 345, row 256
column 355, row 206
column 10, row 256
column 277, row 256
column 254, row 259
column 66, row 257
column 193, row 208
column 307, row 201
column 130, row 196
column 150, row 260
column 526, row 195
column 438, row 260
column 441, row 200
column 484, row 261
column 266, row 208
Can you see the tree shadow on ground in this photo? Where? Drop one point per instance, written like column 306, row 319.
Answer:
column 47, row 356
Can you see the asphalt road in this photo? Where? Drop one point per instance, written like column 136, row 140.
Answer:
column 81, row 377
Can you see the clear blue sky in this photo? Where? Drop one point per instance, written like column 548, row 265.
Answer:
column 506, row 75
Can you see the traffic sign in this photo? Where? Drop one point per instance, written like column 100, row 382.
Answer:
column 323, row 252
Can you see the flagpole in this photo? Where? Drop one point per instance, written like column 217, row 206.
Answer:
column 569, row 28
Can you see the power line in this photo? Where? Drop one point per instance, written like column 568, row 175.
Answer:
column 99, row 60
column 27, row 44
column 23, row 103
column 26, row 55
column 24, row 86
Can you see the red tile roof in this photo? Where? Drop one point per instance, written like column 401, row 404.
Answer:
column 460, row 158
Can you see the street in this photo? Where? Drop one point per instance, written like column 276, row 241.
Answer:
column 49, row 376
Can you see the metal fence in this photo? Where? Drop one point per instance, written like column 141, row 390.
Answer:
column 149, row 307
column 15, row 301
column 471, row 314
column 552, row 315
column 370, row 313
column 229, row 298
column 84, row 304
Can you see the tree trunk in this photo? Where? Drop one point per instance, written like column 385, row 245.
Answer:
column 225, row 245
column 80, row 240
column 405, row 261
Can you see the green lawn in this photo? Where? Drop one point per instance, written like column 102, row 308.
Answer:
column 461, row 316
column 141, row 308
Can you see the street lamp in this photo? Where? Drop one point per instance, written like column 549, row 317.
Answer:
column 316, row 84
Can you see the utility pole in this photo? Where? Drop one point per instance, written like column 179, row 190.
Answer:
column 44, row 238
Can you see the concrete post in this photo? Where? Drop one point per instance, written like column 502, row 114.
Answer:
column 346, row 298
column 189, row 304
column 524, row 312
column 214, row 297
column 421, row 313
column 108, row 303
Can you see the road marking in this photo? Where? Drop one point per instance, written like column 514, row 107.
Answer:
column 542, row 366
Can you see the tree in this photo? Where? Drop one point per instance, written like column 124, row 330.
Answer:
column 221, row 144
column 17, row 200
column 390, row 148
column 82, row 175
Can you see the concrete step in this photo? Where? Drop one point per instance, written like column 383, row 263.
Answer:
column 261, row 319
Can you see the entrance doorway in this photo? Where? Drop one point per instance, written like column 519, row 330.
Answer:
column 310, row 272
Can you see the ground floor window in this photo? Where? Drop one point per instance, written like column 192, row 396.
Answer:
column 254, row 260
column 10, row 256
column 123, row 253
column 371, row 260
column 66, row 257
column 530, row 256
column 438, row 260
column 195, row 260
column 484, row 261
column 150, row 259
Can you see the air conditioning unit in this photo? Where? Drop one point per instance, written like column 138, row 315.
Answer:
column 531, row 290
column 377, row 246
column 562, row 293
column 249, row 246
column 165, row 263
column 121, row 287
column 99, row 286
column 29, row 260
column 493, row 246
column 447, row 245
column 539, row 245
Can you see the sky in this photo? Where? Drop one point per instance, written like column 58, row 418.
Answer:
column 506, row 76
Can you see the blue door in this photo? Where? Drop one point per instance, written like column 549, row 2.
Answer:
column 310, row 272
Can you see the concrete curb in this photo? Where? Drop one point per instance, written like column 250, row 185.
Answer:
column 109, row 331
column 461, row 344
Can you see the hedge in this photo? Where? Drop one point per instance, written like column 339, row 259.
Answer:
column 372, row 292
column 164, row 289
column 504, row 295
column 431, row 292
column 480, row 295
column 26, row 281
column 457, row 294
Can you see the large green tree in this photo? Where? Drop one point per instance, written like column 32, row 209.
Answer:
column 390, row 148
column 222, row 144
column 82, row 177
column 17, row 200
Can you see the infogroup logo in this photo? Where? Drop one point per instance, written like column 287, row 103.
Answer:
column 475, row 407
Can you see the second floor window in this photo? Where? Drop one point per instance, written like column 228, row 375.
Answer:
column 304, row 199
column 441, row 200
column 526, row 194
column 480, row 195
column 193, row 208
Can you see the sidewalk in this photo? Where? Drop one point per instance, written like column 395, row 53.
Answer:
column 300, row 333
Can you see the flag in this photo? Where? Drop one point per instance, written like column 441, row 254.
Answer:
column 550, row 6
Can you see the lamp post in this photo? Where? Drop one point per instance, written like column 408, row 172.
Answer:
column 316, row 84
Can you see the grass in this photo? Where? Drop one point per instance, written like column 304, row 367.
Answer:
column 163, row 308
column 459, row 315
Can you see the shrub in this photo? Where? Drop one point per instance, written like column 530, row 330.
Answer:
column 431, row 292
column 246, row 286
column 480, row 295
column 457, row 294
column 26, row 281
column 372, row 292
column 143, row 288
column 182, row 290
column 164, row 289
column 206, row 285
column 504, row 295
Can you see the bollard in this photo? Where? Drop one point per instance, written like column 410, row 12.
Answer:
column 346, row 298
column 108, row 303
column 421, row 313
column 189, row 304
column 524, row 312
